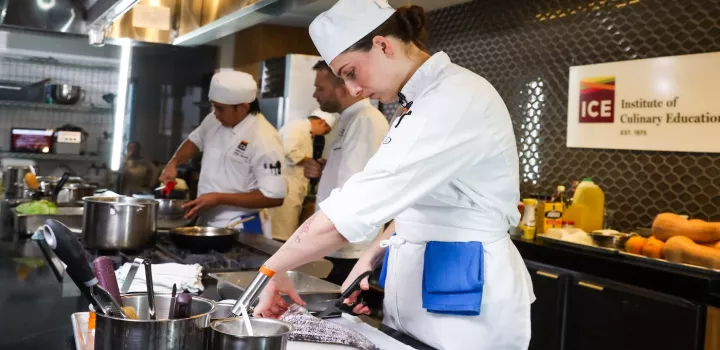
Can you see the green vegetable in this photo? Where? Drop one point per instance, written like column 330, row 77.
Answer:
column 37, row 207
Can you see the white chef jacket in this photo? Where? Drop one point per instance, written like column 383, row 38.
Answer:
column 360, row 130
column 452, row 162
column 241, row 159
column 297, row 145
column 448, row 171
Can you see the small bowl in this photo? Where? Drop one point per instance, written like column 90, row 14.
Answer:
column 610, row 238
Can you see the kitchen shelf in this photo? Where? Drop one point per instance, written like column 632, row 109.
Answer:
column 74, row 62
column 52, row 156
column 55, row 107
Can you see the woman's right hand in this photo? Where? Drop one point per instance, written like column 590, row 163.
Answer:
column 360, row 267
column 169, row 173
column 272, row 304
column 313, row 168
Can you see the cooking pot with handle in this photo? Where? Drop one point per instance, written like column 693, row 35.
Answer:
column 119, row 223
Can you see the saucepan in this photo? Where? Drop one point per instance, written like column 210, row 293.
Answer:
column 268, row 334
column 205, row 238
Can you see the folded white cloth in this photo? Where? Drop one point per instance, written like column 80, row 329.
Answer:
column 186, row 277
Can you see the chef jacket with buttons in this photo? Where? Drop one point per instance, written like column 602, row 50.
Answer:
column 359, row 132
column 449, row 161
column 241, row 159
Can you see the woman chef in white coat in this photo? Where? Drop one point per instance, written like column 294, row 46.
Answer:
column 447, row 172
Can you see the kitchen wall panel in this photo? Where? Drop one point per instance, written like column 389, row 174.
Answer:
column 261, row 42
column 525, row 47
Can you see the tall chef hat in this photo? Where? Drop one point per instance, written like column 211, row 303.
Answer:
column 348, row 21
column 329, row 118
column 232, row 88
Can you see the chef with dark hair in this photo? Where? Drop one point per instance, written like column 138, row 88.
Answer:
column 243, row 168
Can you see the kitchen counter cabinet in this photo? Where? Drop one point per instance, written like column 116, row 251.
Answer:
column 549, row 285
column 606, row 315
column 597, row 301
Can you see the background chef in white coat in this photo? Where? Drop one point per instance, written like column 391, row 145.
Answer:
column 242, row 163
column 357, row 135
column 297, row 138
column 447, row 173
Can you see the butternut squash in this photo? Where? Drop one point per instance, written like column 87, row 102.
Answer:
column 668, row 225
column 653, row 248
column 681, row 249
column 715, row 245
column 635, row 244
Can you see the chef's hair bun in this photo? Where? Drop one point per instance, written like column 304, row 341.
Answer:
column 412, row 22
column 408, row 23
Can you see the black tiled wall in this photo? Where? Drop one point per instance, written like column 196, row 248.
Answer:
column 514, row 43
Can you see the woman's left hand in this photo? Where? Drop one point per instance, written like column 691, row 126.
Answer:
column 203, row 202
column 272, row 304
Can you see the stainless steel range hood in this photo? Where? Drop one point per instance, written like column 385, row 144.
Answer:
column 223, row 17
column 63, row 16
column 218, row 22
column 178, row 22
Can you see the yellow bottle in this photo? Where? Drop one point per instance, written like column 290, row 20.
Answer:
column 590, row 201
column 529, row 222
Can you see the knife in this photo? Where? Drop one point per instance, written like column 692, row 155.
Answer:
column 339, row 303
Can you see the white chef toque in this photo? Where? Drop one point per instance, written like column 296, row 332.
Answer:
column 329, row 118
column 232, row 88
column 344, row 24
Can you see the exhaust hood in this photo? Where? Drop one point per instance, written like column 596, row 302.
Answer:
column 218, row 22
column 220, row 18
column 177, row 22
column 63, row 16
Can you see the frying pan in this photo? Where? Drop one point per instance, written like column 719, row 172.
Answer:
column 202, row 238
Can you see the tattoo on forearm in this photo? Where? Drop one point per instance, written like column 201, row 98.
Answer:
column 304, row 228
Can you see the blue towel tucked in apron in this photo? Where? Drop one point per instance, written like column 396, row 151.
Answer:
column 452, row 277
column 254, row 226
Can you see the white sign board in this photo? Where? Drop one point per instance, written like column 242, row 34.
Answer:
column 659, row 104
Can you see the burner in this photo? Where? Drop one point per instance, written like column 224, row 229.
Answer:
column 235, row 258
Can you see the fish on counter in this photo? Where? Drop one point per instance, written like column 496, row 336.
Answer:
column 309, row 328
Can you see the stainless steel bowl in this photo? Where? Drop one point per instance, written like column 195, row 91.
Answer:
column 610, row 239
column 171, row 214
column 66, row 94
column 268, row 334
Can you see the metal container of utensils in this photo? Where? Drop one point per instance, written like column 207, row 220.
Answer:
column 161, row 333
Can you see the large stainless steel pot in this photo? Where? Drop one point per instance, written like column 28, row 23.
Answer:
column 146, row 334
column 119, row 222
column 171, row 214
column 230, row 334
column 13, row 181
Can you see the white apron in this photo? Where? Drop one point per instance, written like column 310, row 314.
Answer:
column 504, row 320
column 285, row 219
